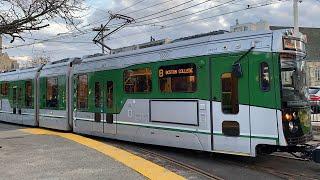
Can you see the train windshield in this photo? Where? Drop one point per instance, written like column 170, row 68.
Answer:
column 294, row 81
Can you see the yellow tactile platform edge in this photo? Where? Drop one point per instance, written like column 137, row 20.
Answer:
column 146, row 168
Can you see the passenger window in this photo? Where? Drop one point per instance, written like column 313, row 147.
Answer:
column 178, row 78
column 264, row 76
column 109, row 94
column 28, row 95
column 230, row 128
column 14, row 96
column 97, row 94
column 82, row 92
column 137, row 80
column 4, row 88
column 19, row 96
column 229, row 97
column 52, row 92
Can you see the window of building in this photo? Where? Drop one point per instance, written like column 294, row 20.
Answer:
column 229, row 90
column 28, row 95
column 264, row 76
column 97, row 94
column 82, row 92
column 52, row 92
column 178, row 78
column 109, row 94
column 137, row 80
column 5, row 88
column 317, row 74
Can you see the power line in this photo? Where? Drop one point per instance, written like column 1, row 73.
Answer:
column 134, row 4
column 166, row 27
column 197, row 12
column 253, row 6
column 154, row 5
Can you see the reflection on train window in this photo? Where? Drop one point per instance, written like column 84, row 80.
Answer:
column 28, row 95
column 264, row 76
column 109, row 94
column 229, row 96
column 97, row 95
column 82, row 92
column 178, row 78
column 137, row 80
column 4, row 88
column 52, row 92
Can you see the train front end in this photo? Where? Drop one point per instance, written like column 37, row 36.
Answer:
column 296, row 111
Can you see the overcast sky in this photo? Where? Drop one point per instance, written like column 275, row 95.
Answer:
column 160, row 19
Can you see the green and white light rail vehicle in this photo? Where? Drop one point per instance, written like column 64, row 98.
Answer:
column 237, row 93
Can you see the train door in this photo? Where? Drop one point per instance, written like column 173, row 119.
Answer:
column 230, row 106
column 109, row 96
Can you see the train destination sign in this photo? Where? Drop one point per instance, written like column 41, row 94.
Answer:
column 177, row 70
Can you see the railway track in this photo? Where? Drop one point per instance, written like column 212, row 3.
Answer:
column 181, row 164
column 274, row 171
column 277, row 172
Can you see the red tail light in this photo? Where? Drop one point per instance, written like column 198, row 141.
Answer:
column 314, row 98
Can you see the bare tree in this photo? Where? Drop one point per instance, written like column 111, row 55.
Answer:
column 40, row 60
column 17, row 16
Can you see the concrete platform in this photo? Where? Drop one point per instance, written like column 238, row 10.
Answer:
column 27, row 156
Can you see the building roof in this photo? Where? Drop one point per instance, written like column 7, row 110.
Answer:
column 313, row 41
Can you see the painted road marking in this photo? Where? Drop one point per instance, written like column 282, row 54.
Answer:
column 142, row 166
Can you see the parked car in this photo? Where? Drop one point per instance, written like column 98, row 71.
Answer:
column 314, row 98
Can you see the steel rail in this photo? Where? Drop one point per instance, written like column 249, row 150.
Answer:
column 181, row 164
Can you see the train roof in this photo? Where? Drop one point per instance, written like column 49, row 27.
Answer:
column 266, row 41
column 20, row 74
column 59, row 67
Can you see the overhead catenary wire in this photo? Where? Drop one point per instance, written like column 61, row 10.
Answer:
column 253, row 6
column 151, row 6
column 166, row 27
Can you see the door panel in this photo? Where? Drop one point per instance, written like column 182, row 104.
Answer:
column 230, row 106
column 110, row 126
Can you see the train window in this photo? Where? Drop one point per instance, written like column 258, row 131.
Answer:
column 264, row 76
column 19, row 96
column 109, row 94
column 82, row 92
column 137, row 80
column 229, row 97
column 52, row 92
column 97, row 95
column 28, row 95
column 230, row 128
column 5, row 88
column 14, row 95
column 178, row 78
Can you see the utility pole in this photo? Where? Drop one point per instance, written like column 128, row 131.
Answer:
column 99, row 38
column 101, row 29
column 296, row 16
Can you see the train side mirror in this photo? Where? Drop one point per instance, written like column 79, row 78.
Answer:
column 237, row 70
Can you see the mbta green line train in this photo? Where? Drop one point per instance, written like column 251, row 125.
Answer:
column 238, row 93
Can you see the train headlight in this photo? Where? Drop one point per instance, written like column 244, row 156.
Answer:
column 287, row 117
column 292, row 127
